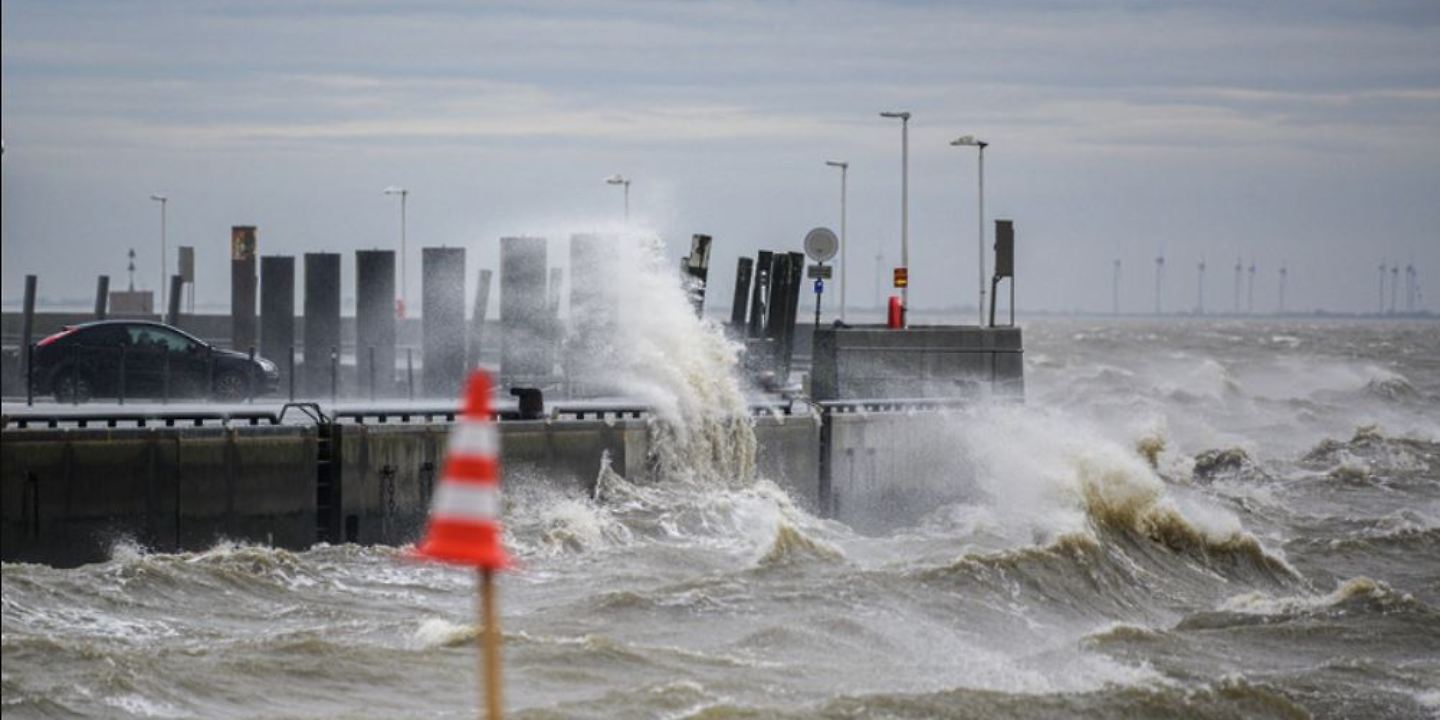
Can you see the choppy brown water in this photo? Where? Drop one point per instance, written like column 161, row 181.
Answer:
column 1200, row 519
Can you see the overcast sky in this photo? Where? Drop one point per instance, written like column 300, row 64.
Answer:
column 1305, row 132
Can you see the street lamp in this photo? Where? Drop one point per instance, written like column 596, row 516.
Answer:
column 404, row 194
column 904, row 116
column 970, row 141
column 162, row 200
column 844, row 170
column 618, row 179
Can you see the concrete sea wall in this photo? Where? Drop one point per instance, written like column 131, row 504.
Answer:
column 67, row 496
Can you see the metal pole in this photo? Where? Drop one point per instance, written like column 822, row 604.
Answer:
column 121, row 390
column 627, row 202
column 290, row 373
column 404, row 291
column 905, row 217
column 410, row 371
column 980, row 247
column 161, row 282
column 371, row 365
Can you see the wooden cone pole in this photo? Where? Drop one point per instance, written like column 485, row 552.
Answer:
column 489, row 638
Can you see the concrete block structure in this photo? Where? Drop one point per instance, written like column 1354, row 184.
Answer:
column 443, row 320
column 918, row 362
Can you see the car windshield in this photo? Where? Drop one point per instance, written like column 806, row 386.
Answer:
column 157, row 338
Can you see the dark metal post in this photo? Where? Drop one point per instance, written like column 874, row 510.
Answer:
column 29, row 375
column 291, row 373
column 102, row 296
column 121, row 388
column 760, row 294
column 209, row 374
column 75, row 374
column 410, row 371
column 738, row 305
column 177, row 290
column 27, row 321
column 819, row 287
column 371, row 365
column 334, row 374
column 249, row 384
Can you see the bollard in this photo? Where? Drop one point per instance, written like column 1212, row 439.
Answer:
column 291, row 373
column 75, row 373
column 896, row 317
column 371, row 364
column 334, row 374
column 29, row 375
column 410, row 371
column 121, row 388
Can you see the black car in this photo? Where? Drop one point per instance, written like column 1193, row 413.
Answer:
column 141, row 359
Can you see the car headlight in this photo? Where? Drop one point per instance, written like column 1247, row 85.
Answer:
column 266, row 365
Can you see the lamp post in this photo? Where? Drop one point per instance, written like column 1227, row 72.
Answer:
column 162, row 200
column 404, row 195
column 844, row 170
column 970, row 141
column 904, row 116
column 618, row 179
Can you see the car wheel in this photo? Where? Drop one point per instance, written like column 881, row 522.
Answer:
column 70, row 386
column 232, row 386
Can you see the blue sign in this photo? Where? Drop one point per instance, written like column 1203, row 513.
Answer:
column 819, row 286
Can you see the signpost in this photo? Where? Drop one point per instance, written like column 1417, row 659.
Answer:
column 820, row 245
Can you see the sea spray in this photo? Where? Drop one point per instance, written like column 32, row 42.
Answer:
column 637, row 334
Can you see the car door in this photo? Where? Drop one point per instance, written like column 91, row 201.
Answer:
column 144, row 360
column 189, row 362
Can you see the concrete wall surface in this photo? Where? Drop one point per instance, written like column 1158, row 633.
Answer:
column 70, row 495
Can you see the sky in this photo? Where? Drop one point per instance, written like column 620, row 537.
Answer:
column 1295, row 133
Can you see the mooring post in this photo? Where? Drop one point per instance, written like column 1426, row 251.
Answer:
column 410, row 371
column 334, row 374
column 291, row 373
column 27, row 321
column 102, row 294
column 371, row 364
column 29, row 375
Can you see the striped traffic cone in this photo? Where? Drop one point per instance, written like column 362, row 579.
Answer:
column 464, row 523
column 464, row 526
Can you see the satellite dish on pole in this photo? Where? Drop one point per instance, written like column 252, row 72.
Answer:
column 821, row 244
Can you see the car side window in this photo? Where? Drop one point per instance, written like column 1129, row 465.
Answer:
column 147, row 337
column 176, row 342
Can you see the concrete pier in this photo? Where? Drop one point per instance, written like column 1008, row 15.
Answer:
column 277, row 311
column 322, row 320
column 525, row 324
column 243, row 283
column 375, row 321
column 443, row 318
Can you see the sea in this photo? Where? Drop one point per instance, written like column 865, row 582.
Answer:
column 1190, row 518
